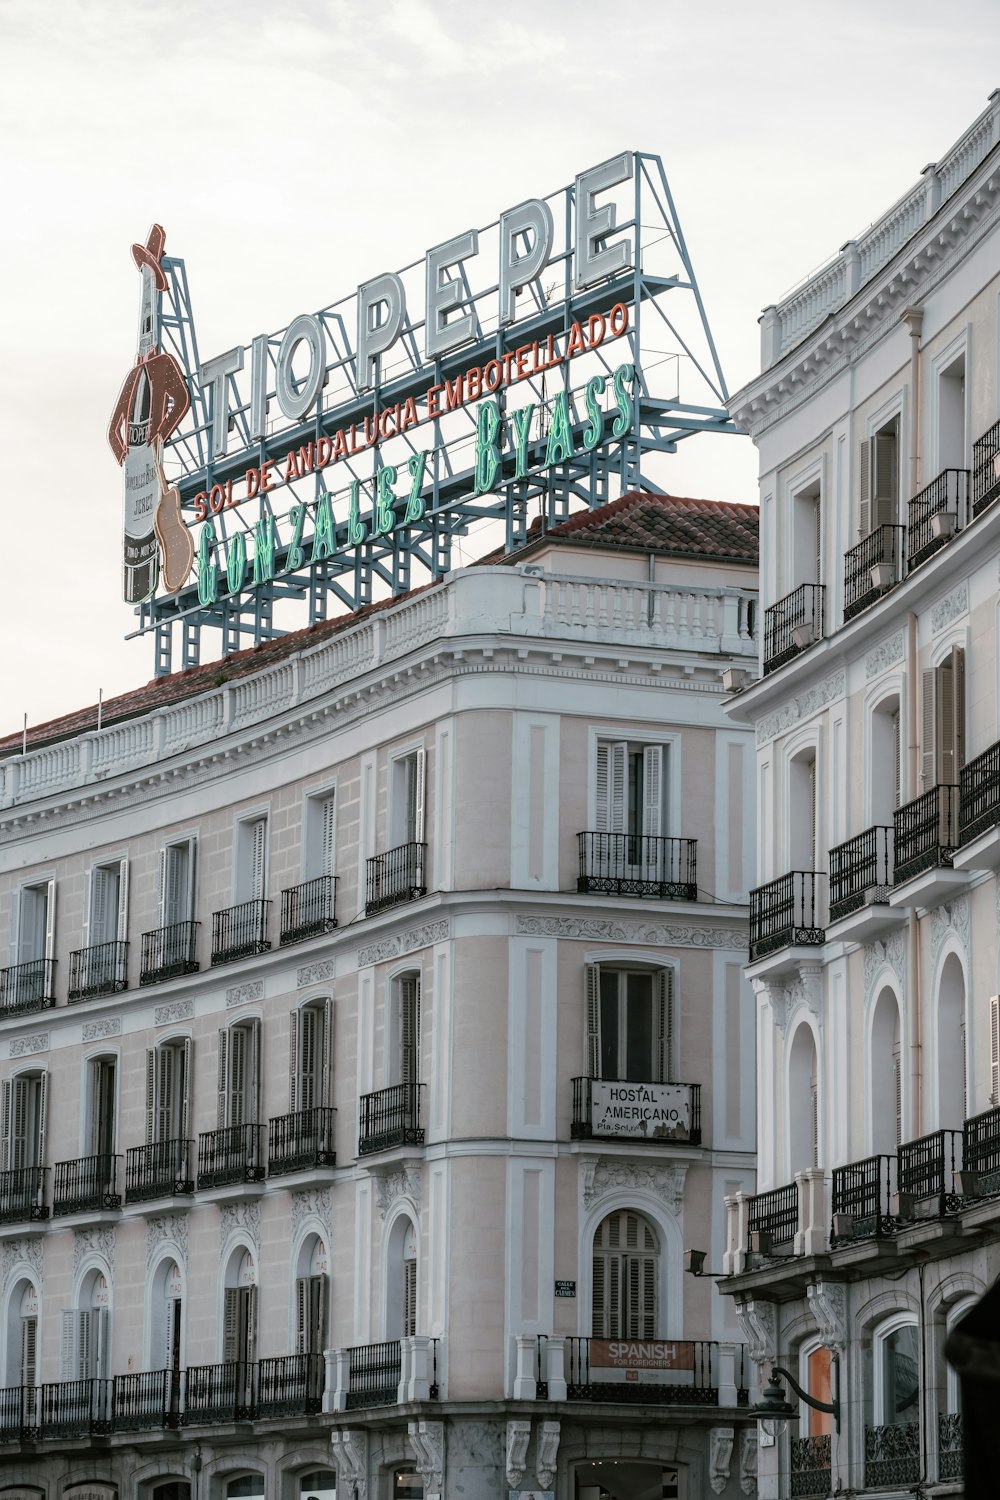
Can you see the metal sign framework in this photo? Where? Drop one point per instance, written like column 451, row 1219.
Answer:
column 666, row 341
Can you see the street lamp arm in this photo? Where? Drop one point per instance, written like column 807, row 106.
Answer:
column 832, row 1407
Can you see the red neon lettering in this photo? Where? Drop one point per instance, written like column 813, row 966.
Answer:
column 618, row 319
column 324, row 452
column 291, row 466
column 433, row 409
column 454, row 392
column 216, row 499
column 410, row 418
column 307, row 458
column 266, row 475
column 200, row 505
column 474, row 383
column 385, row 417
column 253, row 483
column 492, row 375
column 575, row 345
column 595, row 339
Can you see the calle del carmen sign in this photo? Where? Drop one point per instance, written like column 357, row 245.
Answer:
column 175, row 525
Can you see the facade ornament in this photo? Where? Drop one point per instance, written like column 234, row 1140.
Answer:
column 423, row 936
column 315, row 973
column 660, row 934
column 886, row 654
column 518, row 1437
column 776, row 996
column 807, row 990
column 664, row 1182
column 244, row 1216
column 879, row 955
column 546, row 1453
column 177, row 1010
column 828, row 1305
column 720, row 1456
column 313, row 1203
column 96, row 1031
column 952, row 607
column 27, row 1046
column 19, row 1253
column 748, row 1460
column 949, row 919
column 802, row 707
column 101, row 1241
column 244, row 994
column 350, row 1455
column 171, row 1229
column 403, row 1179
column 427, row 1442
column 759, row 1323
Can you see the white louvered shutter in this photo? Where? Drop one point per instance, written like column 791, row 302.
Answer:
column 88, row 888
column 122, row 930
column 250, row 1353
column 252, row 1099
column 419, row 759
column 258, row 838
column 663, row 991
column 50, row 919
column 928, row 729
column 166, row 1082
column 409, row 1298
column 652, row 791
column 293, row 1063
column 897, row 1089
column 308, row 1026
column 326, row 1061
column 813, row 835
column 602, row 778
column 231, row 1322
column 618, row 807
column 865, row 507
column 150, row 1095
column 818, row 522
column 994, row 1050
column 41, row 1119
column 84, row 1345
column 896, row 763
column 885, row 470
column 15, row 926
column 592, row 992
column 814, row 1111
column 222, row 1085
column 965, row 1074
column 19, row 1129
column 70, row 1343
column 98, row 930
column 6, row 1143
column 164, row 882
column 328, row 835
column 185, row 1089
column 29, row 1351
column 302, row 1315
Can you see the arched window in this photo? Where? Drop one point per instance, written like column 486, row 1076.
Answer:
column 803, row 1103
column 626, row 1277
column 240, row 1310
column 174, row 1489
column 401, row 1281
column 885, row 1076
column 896, row 1389
column 22, row 1335
column 951, row 1045
column 319, row 1484
column 311, row 1296
column 86, row 1341
column 247, row 1487
column 166, row 1325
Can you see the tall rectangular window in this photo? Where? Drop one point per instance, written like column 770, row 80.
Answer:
column 405, row 1064
column 951, row 416
column 943, row 721
column 168, row 1090
column 630, row 1024
column 239, row 1074
column 24, row 1109
column 101, row 1106
column 406, row 792
column 880, row 479
column 321, row 833
column 34, row 928
column 311, row 1059
column 177, row 882
column 251, row 859
column 107, row 908
column 630, row 785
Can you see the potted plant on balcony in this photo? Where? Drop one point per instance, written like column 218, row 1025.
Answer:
column 883, row 575
column 803, row 635
column 943, row 524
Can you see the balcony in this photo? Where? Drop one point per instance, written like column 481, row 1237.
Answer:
column 240, row 931
column 27, row 987
column 303, row 1142
column 926, row 838
column 290, row 1387
column 146, row 1401
column 786, row 913
column 861, row 871
column 610, row 1109
column 396, row 876
column 628, row 864
column 981, row 1151
column 936, row 514
column 386, row 1374
column 892, row 1456
column 810, row 1465
column 793, row 625
column 218, row 1393
column 391, row 1117
column 655, row 1372
column 101, row 969
column 22, row 1195
column 979, row 813
column 86, row 1186
column 168, row 952
column 231, row 1156
column 308, row 910
column 75, row 1409
column 951, row 1459
column 862, row 1200
column 926, row 1174
column 986, row 470
column 159, row 1170
column 773, row 1221
column 872, row 568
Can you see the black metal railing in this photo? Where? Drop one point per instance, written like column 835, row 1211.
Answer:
column 19, row 1414
column 240, row 931
column 786, row 912
column 301, row 1142
column 775, row 1215
column 892, row 1455
column 391, row 1117
column 309, row 909
column 290, row 1386
column 633, row 864
column 979, row 798
column 88, row 1185
column 873, row 567
column 374, row 1373
column 863, row 1190
column 101, row 969
column 613, row 1109
column 861, row 872
column 793, row 624
column 809, row 1462
column 28, row 986
column 927, row 1167
column 168, row 952
column 397, row 875
column 986, row 469
column 22, row 1195
column 146, row 1401
column 951, row 1459
column 981, row 1149
column 219, row 1393
column 933, row 516
column 75, row 1408
column 663, row 1372
column 232, row 1155
column 161, row 1169
column 926, row 833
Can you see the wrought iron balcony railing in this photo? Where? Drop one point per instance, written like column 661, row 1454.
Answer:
column 28, row 986
column 308, row 910
column 397, row 875
column 20, row 1414
column 22, row 1195
column 240, row 931
column 892, row 1456
column 219, row 1393
column 862, row 1191
column 951, row 1457
column 668, row 1372
column 88, row 1185
column 618, row 1109
column 786, row 912
column 146, row 1401
column 101, row 969
column 981, row 1149
column 391, row 1117
column 793, row 624
column 160, row 1170
column 871, row 568
column 861, row 872
column 926, row 833
column 75, row 1408
column 936, row 514
column 374, row 1373
column 774, row 1216
column 927, row 1167
column 168, row 952
column 979, row 798
column 809, row 1461
column 301, row 1142
column 633, row 864
column 290, row 1386
column 986, row 469
column 232, row 1155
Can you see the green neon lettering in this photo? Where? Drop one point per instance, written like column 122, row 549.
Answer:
column 323, row 534
column 356, row 530
column 415, row 504
column 522, row 427
column 623, row 376
column 296, row 556
column 236, row 562
column 384, row 519
column 487, row 453
column 560, row 444
column 594, row 430
column 208, row 582
column 265, row 541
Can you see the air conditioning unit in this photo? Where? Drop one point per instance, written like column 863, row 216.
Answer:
column 735, row 679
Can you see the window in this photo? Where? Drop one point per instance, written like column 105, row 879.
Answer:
column 880, row 479
column 951, row 415
column 401, row 1280
column 24, row 1113
column 626, row 1273
column 885, row 763
column 86, row 1342
column 407, row 1485
column 943, row 724
column 321, row 834
column 630, row 1024
column 250, row 1487
column 167, row 1321
column 885, row 1089
column 803, row 1102
column 803, row 833
column 404, row 1058
column 311, row 1299
column 311, row 1059
column 101, row 1092
column 177, row 876
column 240, row 1311
column 22, row 1335
column 106, row 910
column 251, row 859
column 176, row 1489
column 630, row 785
column 168, row 1088
column 320, row 1484
column 815, row 1378
column 34, row 925
column 897, row 1382
column 807, row 536
column 239, row 1074
column 406, row 810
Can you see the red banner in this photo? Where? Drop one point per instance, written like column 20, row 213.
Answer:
column 641, row 1354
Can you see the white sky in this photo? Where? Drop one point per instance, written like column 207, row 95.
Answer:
column 293, row 150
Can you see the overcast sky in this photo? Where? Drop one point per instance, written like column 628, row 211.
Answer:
column 292, row 150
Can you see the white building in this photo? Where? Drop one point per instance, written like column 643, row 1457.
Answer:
column 873, row 943
column 373, row 1039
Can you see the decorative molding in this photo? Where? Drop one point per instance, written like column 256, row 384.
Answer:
column 776, row 995
column 427, row 1442
column 26, row 1046
column 392, row 946
column 806, row 989
column 23, row 1252
column 748, row 1460
column 169, row 1229
column 350, row 1455
column 243, row 994
column 802, row 707
column 518, row 1438
column 245, row 1216
column 314, row 973
column 403, row 1179
column 720, row 1456
column 661, row 934
column 952, row 607
column 177, row 1010
column 828, row 1305
column 546, row 1453
column 759, row 1322
column 948, row 920
column 886, row 654
column 101, row 1241
column 881, row 953
column 95, row 1031
column 604, row 1176
column 313, row 1203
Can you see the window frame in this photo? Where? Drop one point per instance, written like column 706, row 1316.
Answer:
column 312, row 802
column 881, row 1333
column 666, row 973
column 641, row 738
column 245, row 888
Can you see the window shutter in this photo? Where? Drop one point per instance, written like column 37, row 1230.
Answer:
column 150, row 1094
column 15, row 925
column 166, row 1124
column 418, row 797
column 648, row 1265
column 302, row 1315
column 896, row 764
column 69, row 1344
column 41, row 1122
column 598, row 1300
column 253, row 1073
column 994, row 1051
column 409, row 1028
column 652, row 786
column 50, row 919
column 258, row 835
column 5, row 1143
column 98, row 904
column 612, row 1315
column 250, row 1353
column 818, row 522
column 231, row 1320
column 326, row 1091
column 865, row 508
column 222, row 1091
column 29, row 1347
column 958, row 711
column 928, row 734
column 186, row 1089
column 122, row 932
column 884, row 470
column 84, row 1345
column 163, row 881
column 189, row 873
column 307, row 1058
column 813, row 834
column 602, row 779
column 172, row 1351
column 592, row 983
column 88, row 886
column 409, row 1297
column 618, row 809
column 897, row 1087
column 663, row 981
column 293, row 1061
column 965, row 1074
column 328, row 835
column 22, row 1100
column 100, row 1323
column 317, row 1314
column 237, row 1098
